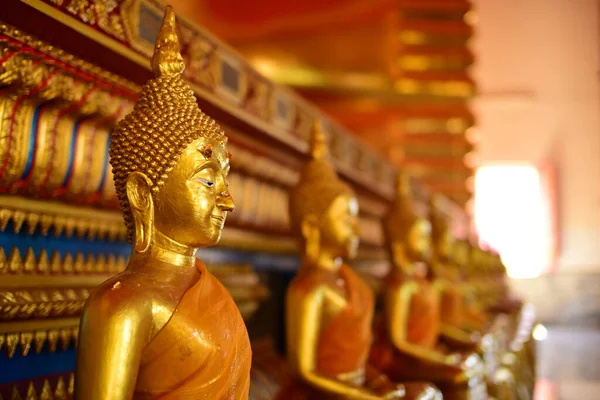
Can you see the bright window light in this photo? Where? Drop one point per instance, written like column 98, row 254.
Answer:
column 512, row 216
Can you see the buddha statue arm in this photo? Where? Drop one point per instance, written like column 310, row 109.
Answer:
column 398, row 320
column 306, row 329
column 112, row 337
column 459, row 337
column 455, row 335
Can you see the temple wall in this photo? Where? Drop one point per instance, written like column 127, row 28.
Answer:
column 538, row 74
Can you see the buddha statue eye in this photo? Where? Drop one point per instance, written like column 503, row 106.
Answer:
column 205, row 182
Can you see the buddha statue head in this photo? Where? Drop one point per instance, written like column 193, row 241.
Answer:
column 441, row 235
column 408, row 235
column 323, row 209
column 170, row 160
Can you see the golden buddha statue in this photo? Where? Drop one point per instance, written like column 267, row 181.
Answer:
column 408, row 342
column 475, row 318
column 448, row 281
column 329, row 309
column 165, row 327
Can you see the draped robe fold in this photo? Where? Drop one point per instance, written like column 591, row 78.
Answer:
column 202, row 352
column 344, row 342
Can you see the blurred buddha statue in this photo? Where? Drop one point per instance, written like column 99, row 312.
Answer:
column 165, row 327
column 408, row 344
column 475, row 318
column 501, row 300
column 449, row 283
column 329, row 308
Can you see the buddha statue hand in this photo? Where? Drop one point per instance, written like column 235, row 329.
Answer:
column 382, row 386
column 397, row 393
column 454, row 359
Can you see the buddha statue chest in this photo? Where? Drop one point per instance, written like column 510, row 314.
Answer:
column 334, row 303
column 424, row 315
column 198, row 353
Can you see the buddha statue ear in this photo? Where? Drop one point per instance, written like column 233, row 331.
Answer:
column 139, row 194
column 312, row 238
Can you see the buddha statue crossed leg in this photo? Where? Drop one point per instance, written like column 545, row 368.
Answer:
column 329, row 308
column 408, row 345
column 165, row 327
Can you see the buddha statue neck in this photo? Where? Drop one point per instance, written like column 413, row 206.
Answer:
column 170, row 166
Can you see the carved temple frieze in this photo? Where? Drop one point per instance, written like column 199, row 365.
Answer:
column 60, row 387
column 222, row 79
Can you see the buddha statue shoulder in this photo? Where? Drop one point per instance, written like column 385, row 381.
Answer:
column 165, row 327
column 408, row 345
column 329, row 309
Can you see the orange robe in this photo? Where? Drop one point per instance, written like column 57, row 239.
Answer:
column 423, row 329
column 203, row 352
column 344, row 343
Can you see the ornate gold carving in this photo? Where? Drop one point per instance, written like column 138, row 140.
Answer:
column 85, row 222
column 112, row 79
column 77, row 263
column 23, row 338
column 40, row 303
column 61, row 390
column 202, row 54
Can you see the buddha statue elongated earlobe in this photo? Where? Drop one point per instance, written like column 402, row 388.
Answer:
column 142, row 208
column 312, row 238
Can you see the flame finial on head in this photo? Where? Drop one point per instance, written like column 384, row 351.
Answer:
column 318, row 142
column 167, row 60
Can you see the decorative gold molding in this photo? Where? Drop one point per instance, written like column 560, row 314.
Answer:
column 23, row 337
column 24, row 303
column 27, row 268
column 68, row 59
column 63, row 219
column 61, row 389
column 49, row 80
column 208, row 52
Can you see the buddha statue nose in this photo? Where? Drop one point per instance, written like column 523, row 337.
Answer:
column 225, row 201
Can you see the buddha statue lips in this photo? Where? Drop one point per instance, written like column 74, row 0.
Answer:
column 165, row 327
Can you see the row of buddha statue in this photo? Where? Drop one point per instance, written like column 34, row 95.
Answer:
column 165, row 328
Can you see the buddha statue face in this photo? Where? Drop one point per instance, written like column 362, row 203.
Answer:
column 419, row 240
column 192, row 206
column 444, row 245
column 339, row 229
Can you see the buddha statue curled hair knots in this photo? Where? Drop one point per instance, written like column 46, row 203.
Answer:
column 164, row 121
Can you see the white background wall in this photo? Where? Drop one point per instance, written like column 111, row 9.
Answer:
column 538, row 73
